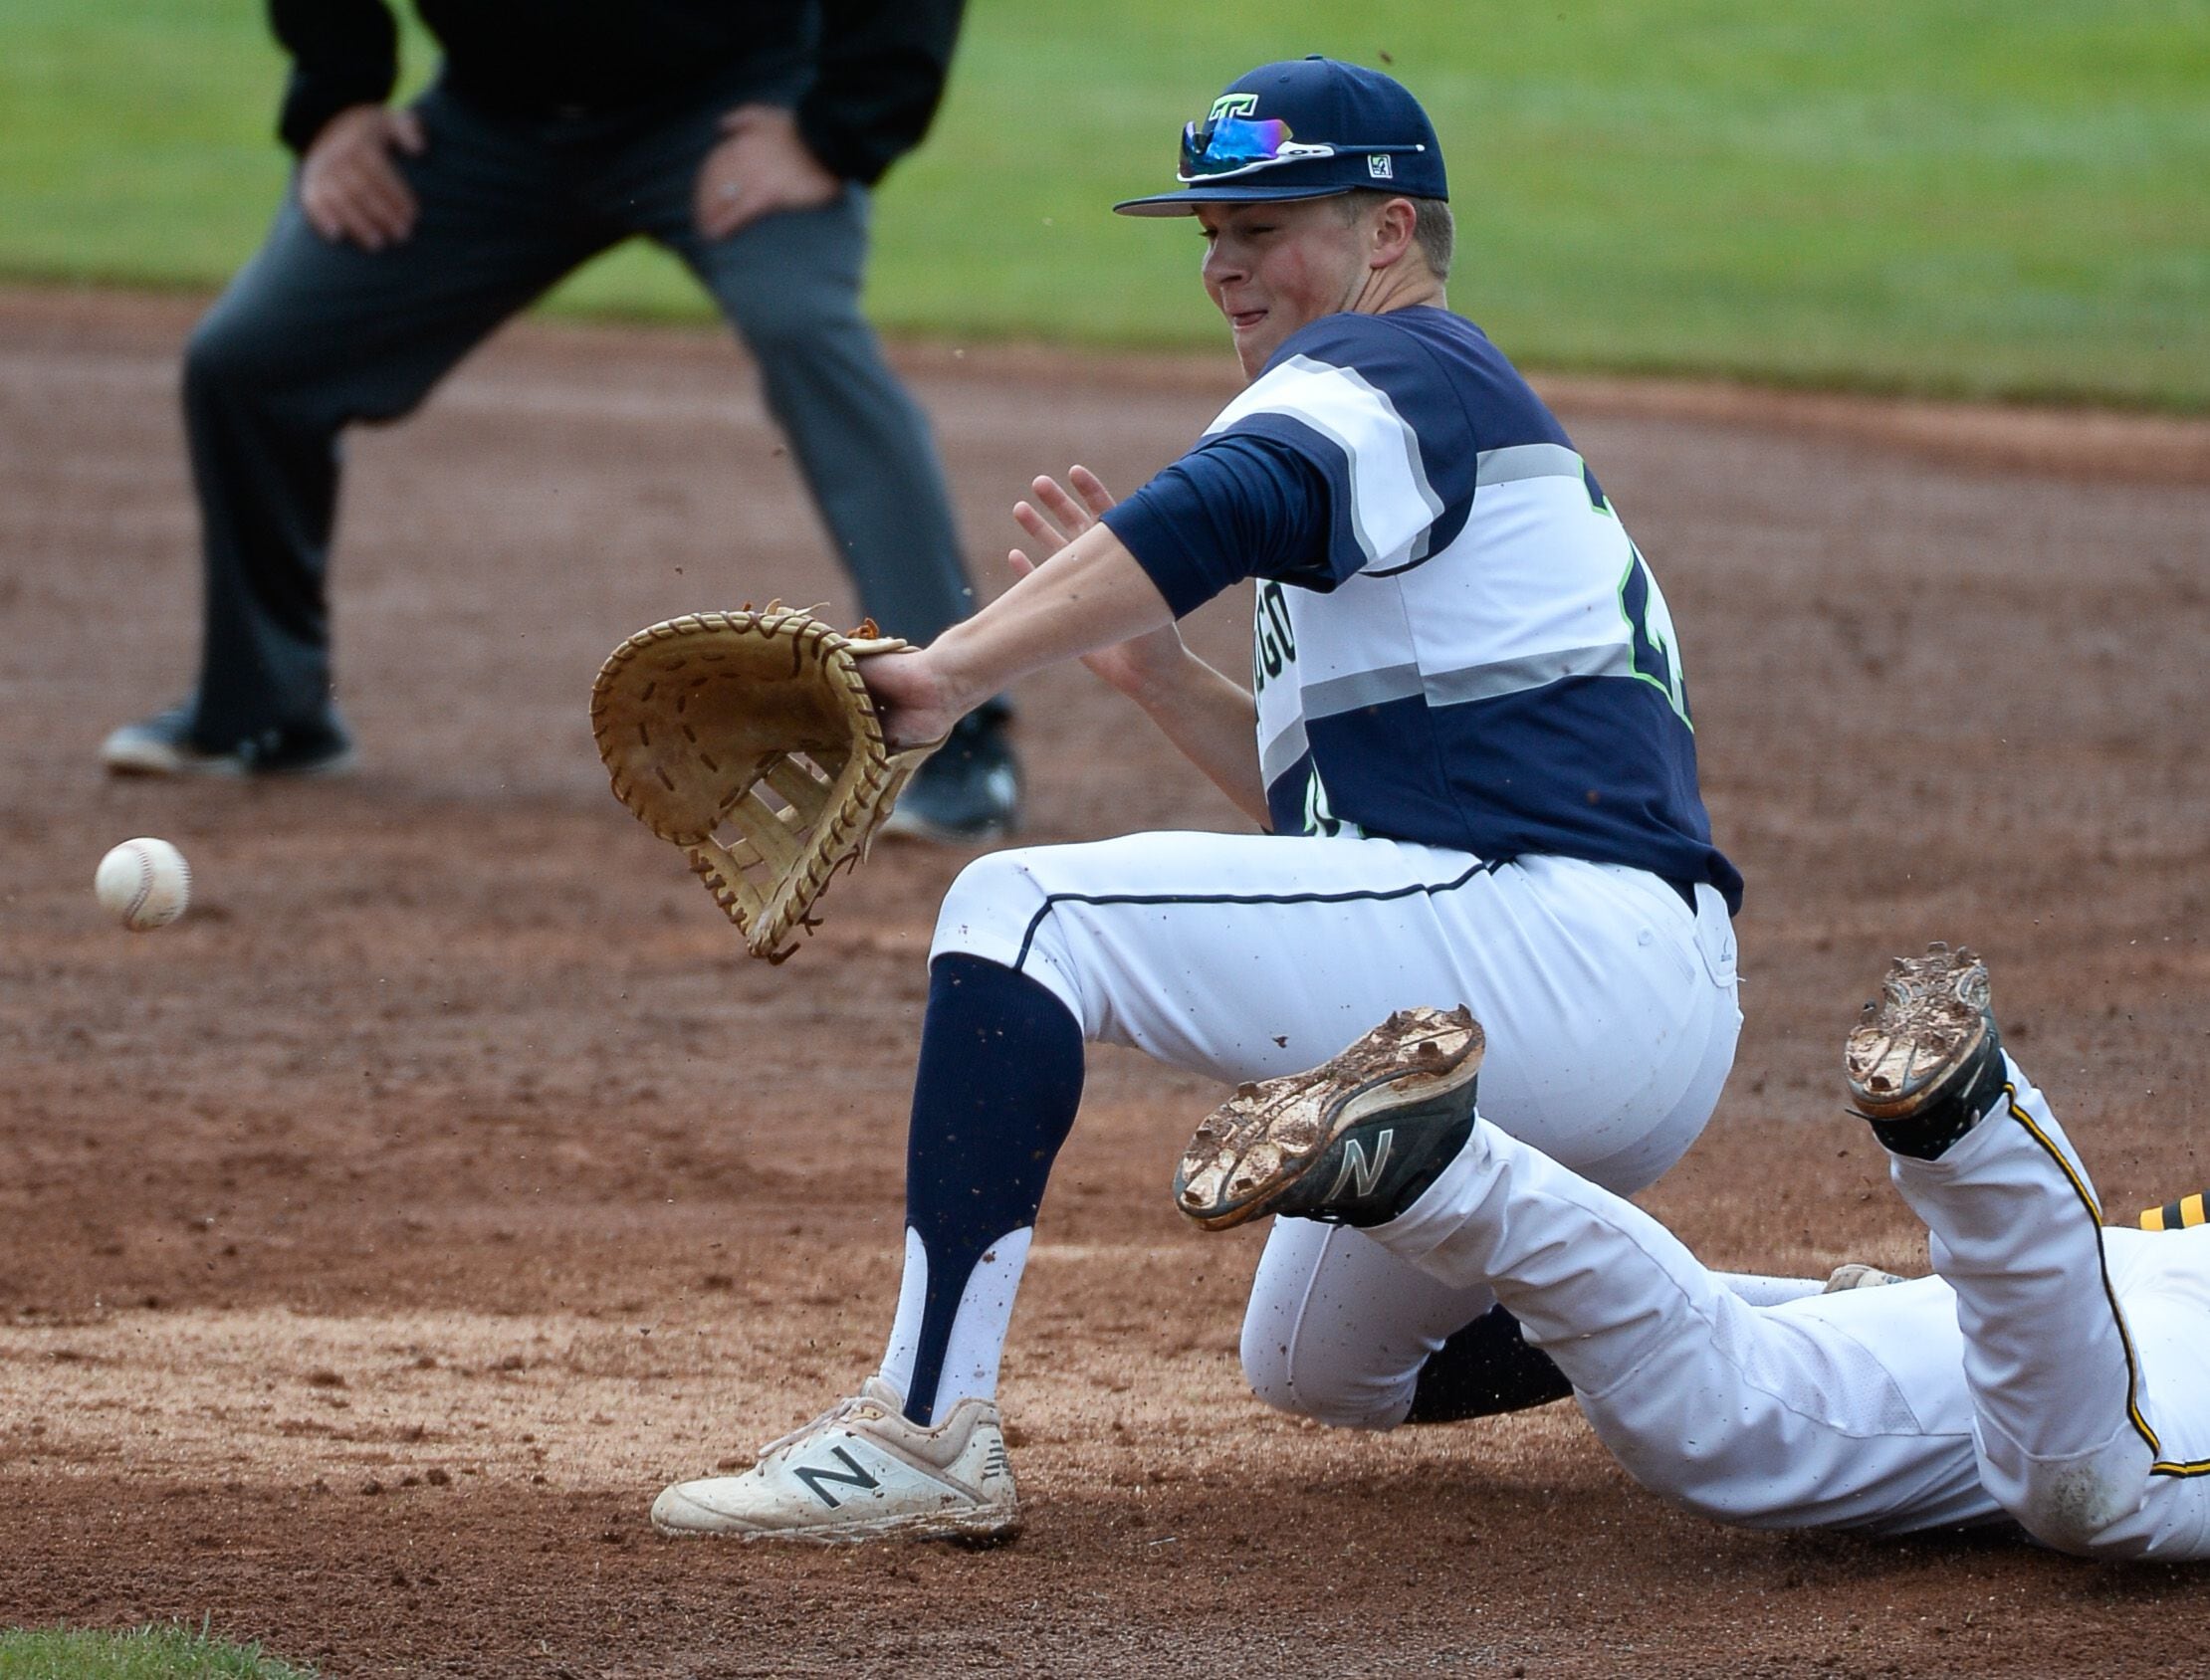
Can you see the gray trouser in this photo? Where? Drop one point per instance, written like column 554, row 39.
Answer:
column 314, row 334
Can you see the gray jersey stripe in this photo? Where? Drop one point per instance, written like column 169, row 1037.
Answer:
column 1362, row 687
column 1281, row 751
column 1340, row 695
column 1526, row 461
column 1517, row 676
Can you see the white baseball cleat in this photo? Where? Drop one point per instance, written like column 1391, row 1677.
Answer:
column 860, row 1471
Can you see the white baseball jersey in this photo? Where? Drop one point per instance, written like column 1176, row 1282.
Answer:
column 1455, row 641
column 1483, row 780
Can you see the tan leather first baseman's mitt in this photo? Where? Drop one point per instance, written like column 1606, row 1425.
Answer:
column 748, row 739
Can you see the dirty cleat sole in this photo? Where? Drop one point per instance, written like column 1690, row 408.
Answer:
column 1923, row 1037
column 1351, row 1141
column 1926, row 1062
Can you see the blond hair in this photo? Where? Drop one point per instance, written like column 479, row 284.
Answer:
column 1433, row 231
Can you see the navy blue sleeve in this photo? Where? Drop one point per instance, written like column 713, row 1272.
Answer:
column 1238, row 505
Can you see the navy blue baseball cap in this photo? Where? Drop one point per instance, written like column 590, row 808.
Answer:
column 1305, row 128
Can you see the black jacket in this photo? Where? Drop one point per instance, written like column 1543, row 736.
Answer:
column 879, row 64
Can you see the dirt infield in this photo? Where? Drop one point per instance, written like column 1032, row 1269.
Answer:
column 380, row 1238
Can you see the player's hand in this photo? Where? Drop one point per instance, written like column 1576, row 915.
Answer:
column 917, row 702
column 1136, row 664
column 761, row 166
column 349, row 186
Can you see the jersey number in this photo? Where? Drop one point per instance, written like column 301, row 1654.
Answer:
column 1650, row 624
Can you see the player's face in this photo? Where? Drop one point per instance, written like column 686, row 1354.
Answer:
column 1273, row 267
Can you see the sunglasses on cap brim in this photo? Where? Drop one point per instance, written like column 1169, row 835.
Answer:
column 1228, row 146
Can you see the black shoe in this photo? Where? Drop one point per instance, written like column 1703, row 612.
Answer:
column 968, row 791
column 1354, row 1142
column 1484, row 1369
column 1926, row 1063
column 162, row 745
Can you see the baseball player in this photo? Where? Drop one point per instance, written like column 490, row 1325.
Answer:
column 2051, row 1370
column 1473, row 765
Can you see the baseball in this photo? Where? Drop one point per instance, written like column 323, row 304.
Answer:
column 143, row 884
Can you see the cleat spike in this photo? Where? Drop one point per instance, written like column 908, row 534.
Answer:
column 1352, row 1141
column 1925, row 1062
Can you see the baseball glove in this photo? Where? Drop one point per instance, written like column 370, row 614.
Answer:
column 757, row 725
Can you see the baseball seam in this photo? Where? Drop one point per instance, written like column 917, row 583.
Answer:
column 145, row 885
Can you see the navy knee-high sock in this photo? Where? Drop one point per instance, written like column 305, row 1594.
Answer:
column 1484, row 1369
column 994, row 1096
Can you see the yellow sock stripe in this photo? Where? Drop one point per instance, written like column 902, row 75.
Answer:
column 2160, row 1466
column 2181, row 1215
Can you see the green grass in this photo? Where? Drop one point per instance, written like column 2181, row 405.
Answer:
column 149, row 1653
column 1949, row 196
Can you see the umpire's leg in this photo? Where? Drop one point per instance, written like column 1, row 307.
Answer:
column 313, row 333
column 790, row 285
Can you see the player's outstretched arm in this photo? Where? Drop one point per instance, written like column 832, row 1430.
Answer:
column 1091, row 595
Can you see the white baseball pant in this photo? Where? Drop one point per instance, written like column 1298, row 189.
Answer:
column 1610, row 1009
column 2052, row 1370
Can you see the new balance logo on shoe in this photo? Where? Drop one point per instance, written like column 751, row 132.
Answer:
column 860, row 1471
column 851, row 1476
column 1357, row 1175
